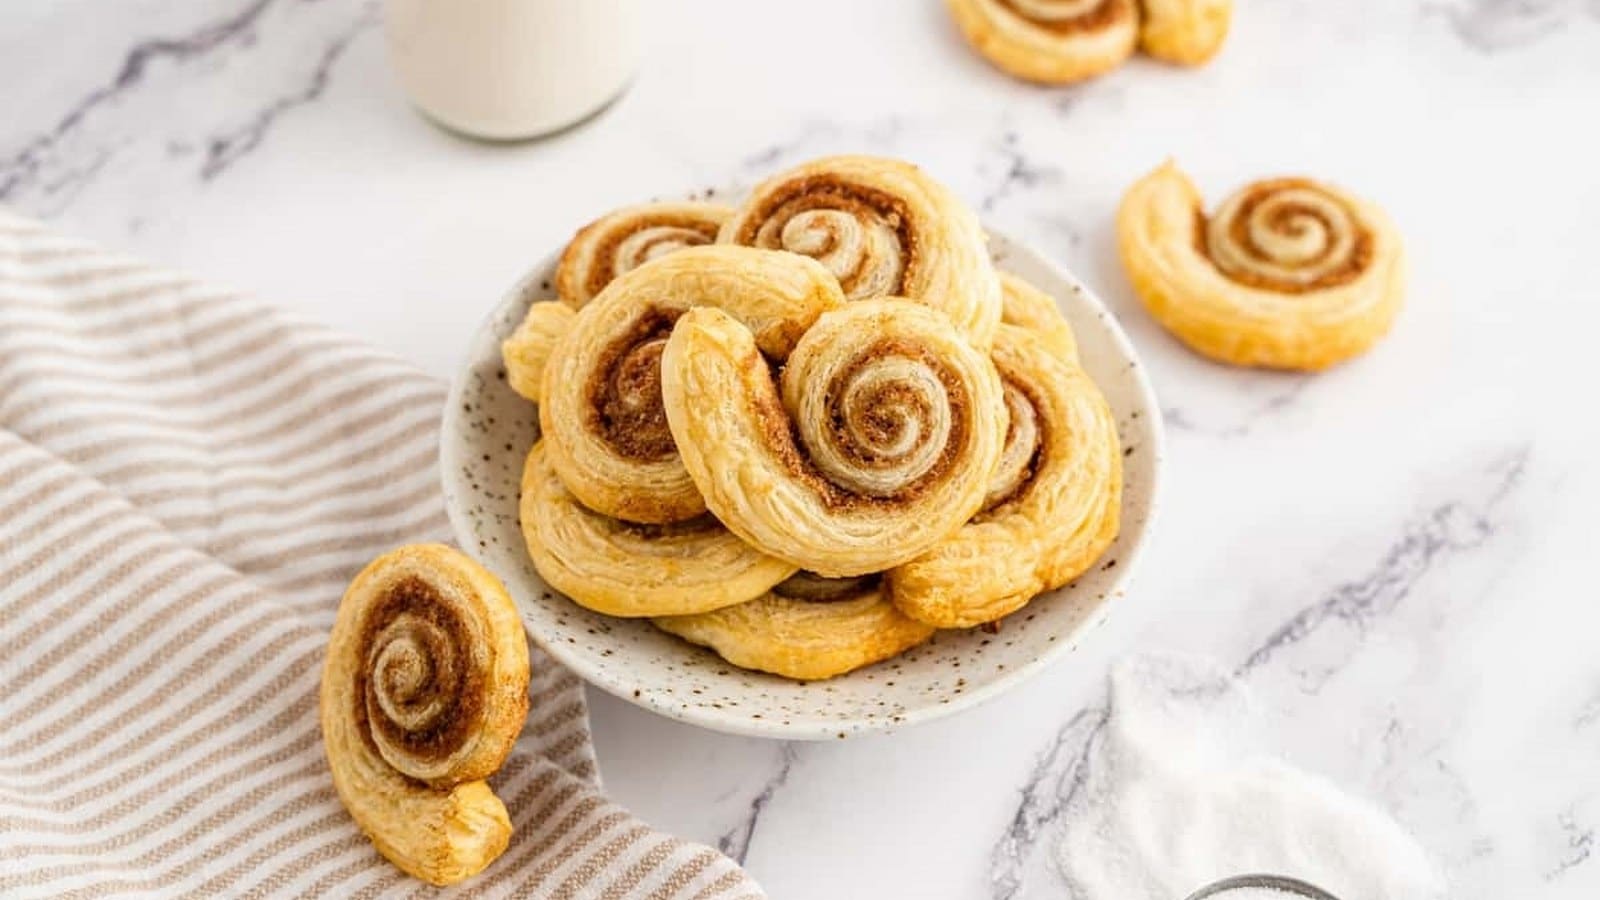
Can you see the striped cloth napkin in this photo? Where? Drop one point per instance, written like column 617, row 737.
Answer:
column 187, row 482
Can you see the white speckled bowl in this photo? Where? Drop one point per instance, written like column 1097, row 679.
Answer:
column 487, row 432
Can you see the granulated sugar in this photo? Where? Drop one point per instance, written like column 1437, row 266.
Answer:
column 1179, row 795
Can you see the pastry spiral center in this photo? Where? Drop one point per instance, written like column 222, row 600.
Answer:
column 890, row 424
column 1023, row 440
column 859, row 234
column 413, row 656
column 643, row 240
column 625, row 396
column 1287, row 235
column 422, row 685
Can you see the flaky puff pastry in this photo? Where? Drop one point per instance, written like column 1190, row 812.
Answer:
column 1288, row 273
column 624, row 239
column 604, row 428
column 879, row 442
column 1052, row 508
column 1030, row 309
column 1050, row 41
column 528, row 348
column 883, row 227
column 424, row 691
column 622, row 569
column 808, row 628
column 1186, row 32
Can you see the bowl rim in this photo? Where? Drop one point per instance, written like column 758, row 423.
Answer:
column 817, row 730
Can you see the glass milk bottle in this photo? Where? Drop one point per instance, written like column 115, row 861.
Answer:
column 512, row 69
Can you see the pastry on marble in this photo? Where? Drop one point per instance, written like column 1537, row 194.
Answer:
column 604, row 429
column 424, row 691
column 1052, row 507
column 528, row 348
column 880, row 441
column 807, row 628
column 623, row 569
column 884, row 228
column 1187, row 32
column 1032, row 310
column 624, row 239
column 1288, row 273
column 1050, row 41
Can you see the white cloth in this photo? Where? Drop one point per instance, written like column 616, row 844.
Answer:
column 187, row 481
column 1181, row 793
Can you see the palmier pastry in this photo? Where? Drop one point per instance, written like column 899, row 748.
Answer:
column 881, row 441
column 1187, row 32
column 528, row 348
column 1031, row 309
column 424, row 691
column 1050, row 41
column 1053, row 505
column 807, row 628
column 1288, row 273
column 623, row 569
column 1063, row 41
column 627, row 238
column 605, row 432
column 883, row 228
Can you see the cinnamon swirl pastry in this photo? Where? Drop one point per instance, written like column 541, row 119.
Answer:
column 1187, row 32
column 1050, row 41
column 883, row 228
column 880, row 442
column 1031, row 309
column 622, row 569
column 605, row 432
column 528, row 348
column 1288, row 273
column 627, row 238
column 1053, row 505
column 424, row 691
column 808, row 628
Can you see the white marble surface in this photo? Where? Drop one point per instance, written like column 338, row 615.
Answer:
column 1397, row 555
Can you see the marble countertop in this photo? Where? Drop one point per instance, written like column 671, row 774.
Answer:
column 1395, row 555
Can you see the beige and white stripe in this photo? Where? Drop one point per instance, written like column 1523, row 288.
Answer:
column 187, row 480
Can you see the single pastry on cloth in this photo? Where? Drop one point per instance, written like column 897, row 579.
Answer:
column 605, row 432
column 625, row 569
column 1032, row 310
column 808, row 628
column 624, row 239
column 424, row 691
column 1052, row 508
column 883, row 227
column 1288, row 273
column 880, row 441
column 1065, row 41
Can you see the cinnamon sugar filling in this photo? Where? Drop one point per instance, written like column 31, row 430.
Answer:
column 782, row 438
column 829, row 193
column 624, row 392
column 441, row 676
column 687, row 230
column 1043, row 437
column 1283, row 219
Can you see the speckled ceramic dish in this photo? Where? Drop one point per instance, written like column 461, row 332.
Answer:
column 487, row 432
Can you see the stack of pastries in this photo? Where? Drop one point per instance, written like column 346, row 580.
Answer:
column 809, row 431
